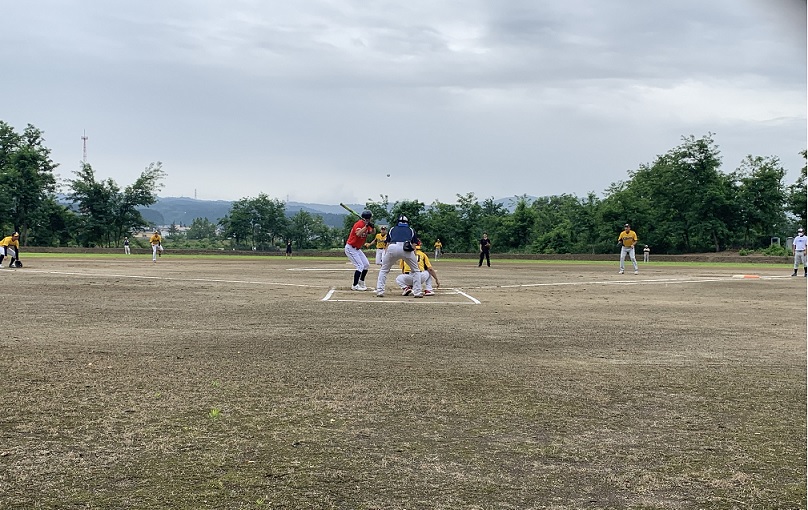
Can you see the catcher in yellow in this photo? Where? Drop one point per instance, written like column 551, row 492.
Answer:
column 10, row 245
column 427, row 274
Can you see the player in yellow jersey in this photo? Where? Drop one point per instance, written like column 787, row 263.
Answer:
column 438, row 248
column 10, row 245
column 156, row 241
column 381, row 244
column 626, row 240
column 428, row 274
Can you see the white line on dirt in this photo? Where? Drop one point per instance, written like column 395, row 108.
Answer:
column 400, row 299
column 615, row 282
column 168, row 278
column 320, row 269
column 392, row 298
column 474, row 300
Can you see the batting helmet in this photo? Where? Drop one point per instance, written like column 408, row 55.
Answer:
column 366, row 214
column 403, row 219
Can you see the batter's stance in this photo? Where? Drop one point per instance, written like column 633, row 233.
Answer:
column 353, row 249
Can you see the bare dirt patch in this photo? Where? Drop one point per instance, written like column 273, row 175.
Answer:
column 267, row 383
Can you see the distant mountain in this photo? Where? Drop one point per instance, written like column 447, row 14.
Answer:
column 183, row 211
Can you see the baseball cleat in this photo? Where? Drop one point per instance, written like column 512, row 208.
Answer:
column 636, row 272
column 356, row 287
column 429, row 293
column 380, row 294
column 620, row 272
column 407, row 291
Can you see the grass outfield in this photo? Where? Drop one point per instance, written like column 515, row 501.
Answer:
column 442, row 261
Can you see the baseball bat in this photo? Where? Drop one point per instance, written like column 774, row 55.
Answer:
column 350, row 210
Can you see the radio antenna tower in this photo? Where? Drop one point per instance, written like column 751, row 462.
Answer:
column 84, row 144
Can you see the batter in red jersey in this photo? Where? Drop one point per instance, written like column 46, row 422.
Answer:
column 360, row 232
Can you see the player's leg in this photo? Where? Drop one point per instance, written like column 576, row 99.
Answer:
column 622, row 259
column 353, row 255
column 412, row 260
column 392, row 255
column 426, row 282
column 633, row 259
column 364, row 272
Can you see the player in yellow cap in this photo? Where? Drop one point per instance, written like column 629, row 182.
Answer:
column 428, row 274
column 156, row 241
column 10, row 245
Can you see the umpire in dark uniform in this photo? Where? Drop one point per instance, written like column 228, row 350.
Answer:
column 401, row 241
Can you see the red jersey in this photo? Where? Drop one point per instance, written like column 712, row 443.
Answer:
column 355, row 240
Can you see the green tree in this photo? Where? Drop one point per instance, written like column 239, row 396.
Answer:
column 680, row 203
column 107, row 213
column 517, row 229
column 442, row 221
column 201, row 228
column 380, row 210
column 470, row 229
column 796, row 201
column 261, row 221
column 27, row 182
column 308, row 231
column 760, row 198
column 412, row 209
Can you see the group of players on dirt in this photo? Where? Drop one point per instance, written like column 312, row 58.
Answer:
column 401, row 245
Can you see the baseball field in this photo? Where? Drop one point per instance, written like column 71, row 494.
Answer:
column 265, row 382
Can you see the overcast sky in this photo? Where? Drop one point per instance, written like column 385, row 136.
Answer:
column 317, row 101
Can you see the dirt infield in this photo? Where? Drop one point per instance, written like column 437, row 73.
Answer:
column 267, row 383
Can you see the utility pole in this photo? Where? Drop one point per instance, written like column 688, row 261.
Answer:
column 84, row 144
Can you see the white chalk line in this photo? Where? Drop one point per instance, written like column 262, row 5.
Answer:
column 392, row 298
column 169, row 278
column 631, row 282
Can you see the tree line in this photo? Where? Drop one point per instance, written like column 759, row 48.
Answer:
column 680, row 203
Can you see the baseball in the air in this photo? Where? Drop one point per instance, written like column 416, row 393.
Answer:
column 388, row 175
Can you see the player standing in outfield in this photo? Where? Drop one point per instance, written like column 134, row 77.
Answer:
column 401, row 241
column 485, row 250
column 288, row 248
column 799, row 246
column 428, row 274
column 10, row 245
column 646, row 253
column 353, row 249
column 626, row 241
column 156, row 241
column 438, row 249
column 381, row 244
column 126, row 245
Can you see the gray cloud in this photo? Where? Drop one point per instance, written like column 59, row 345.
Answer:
column 319, row 101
